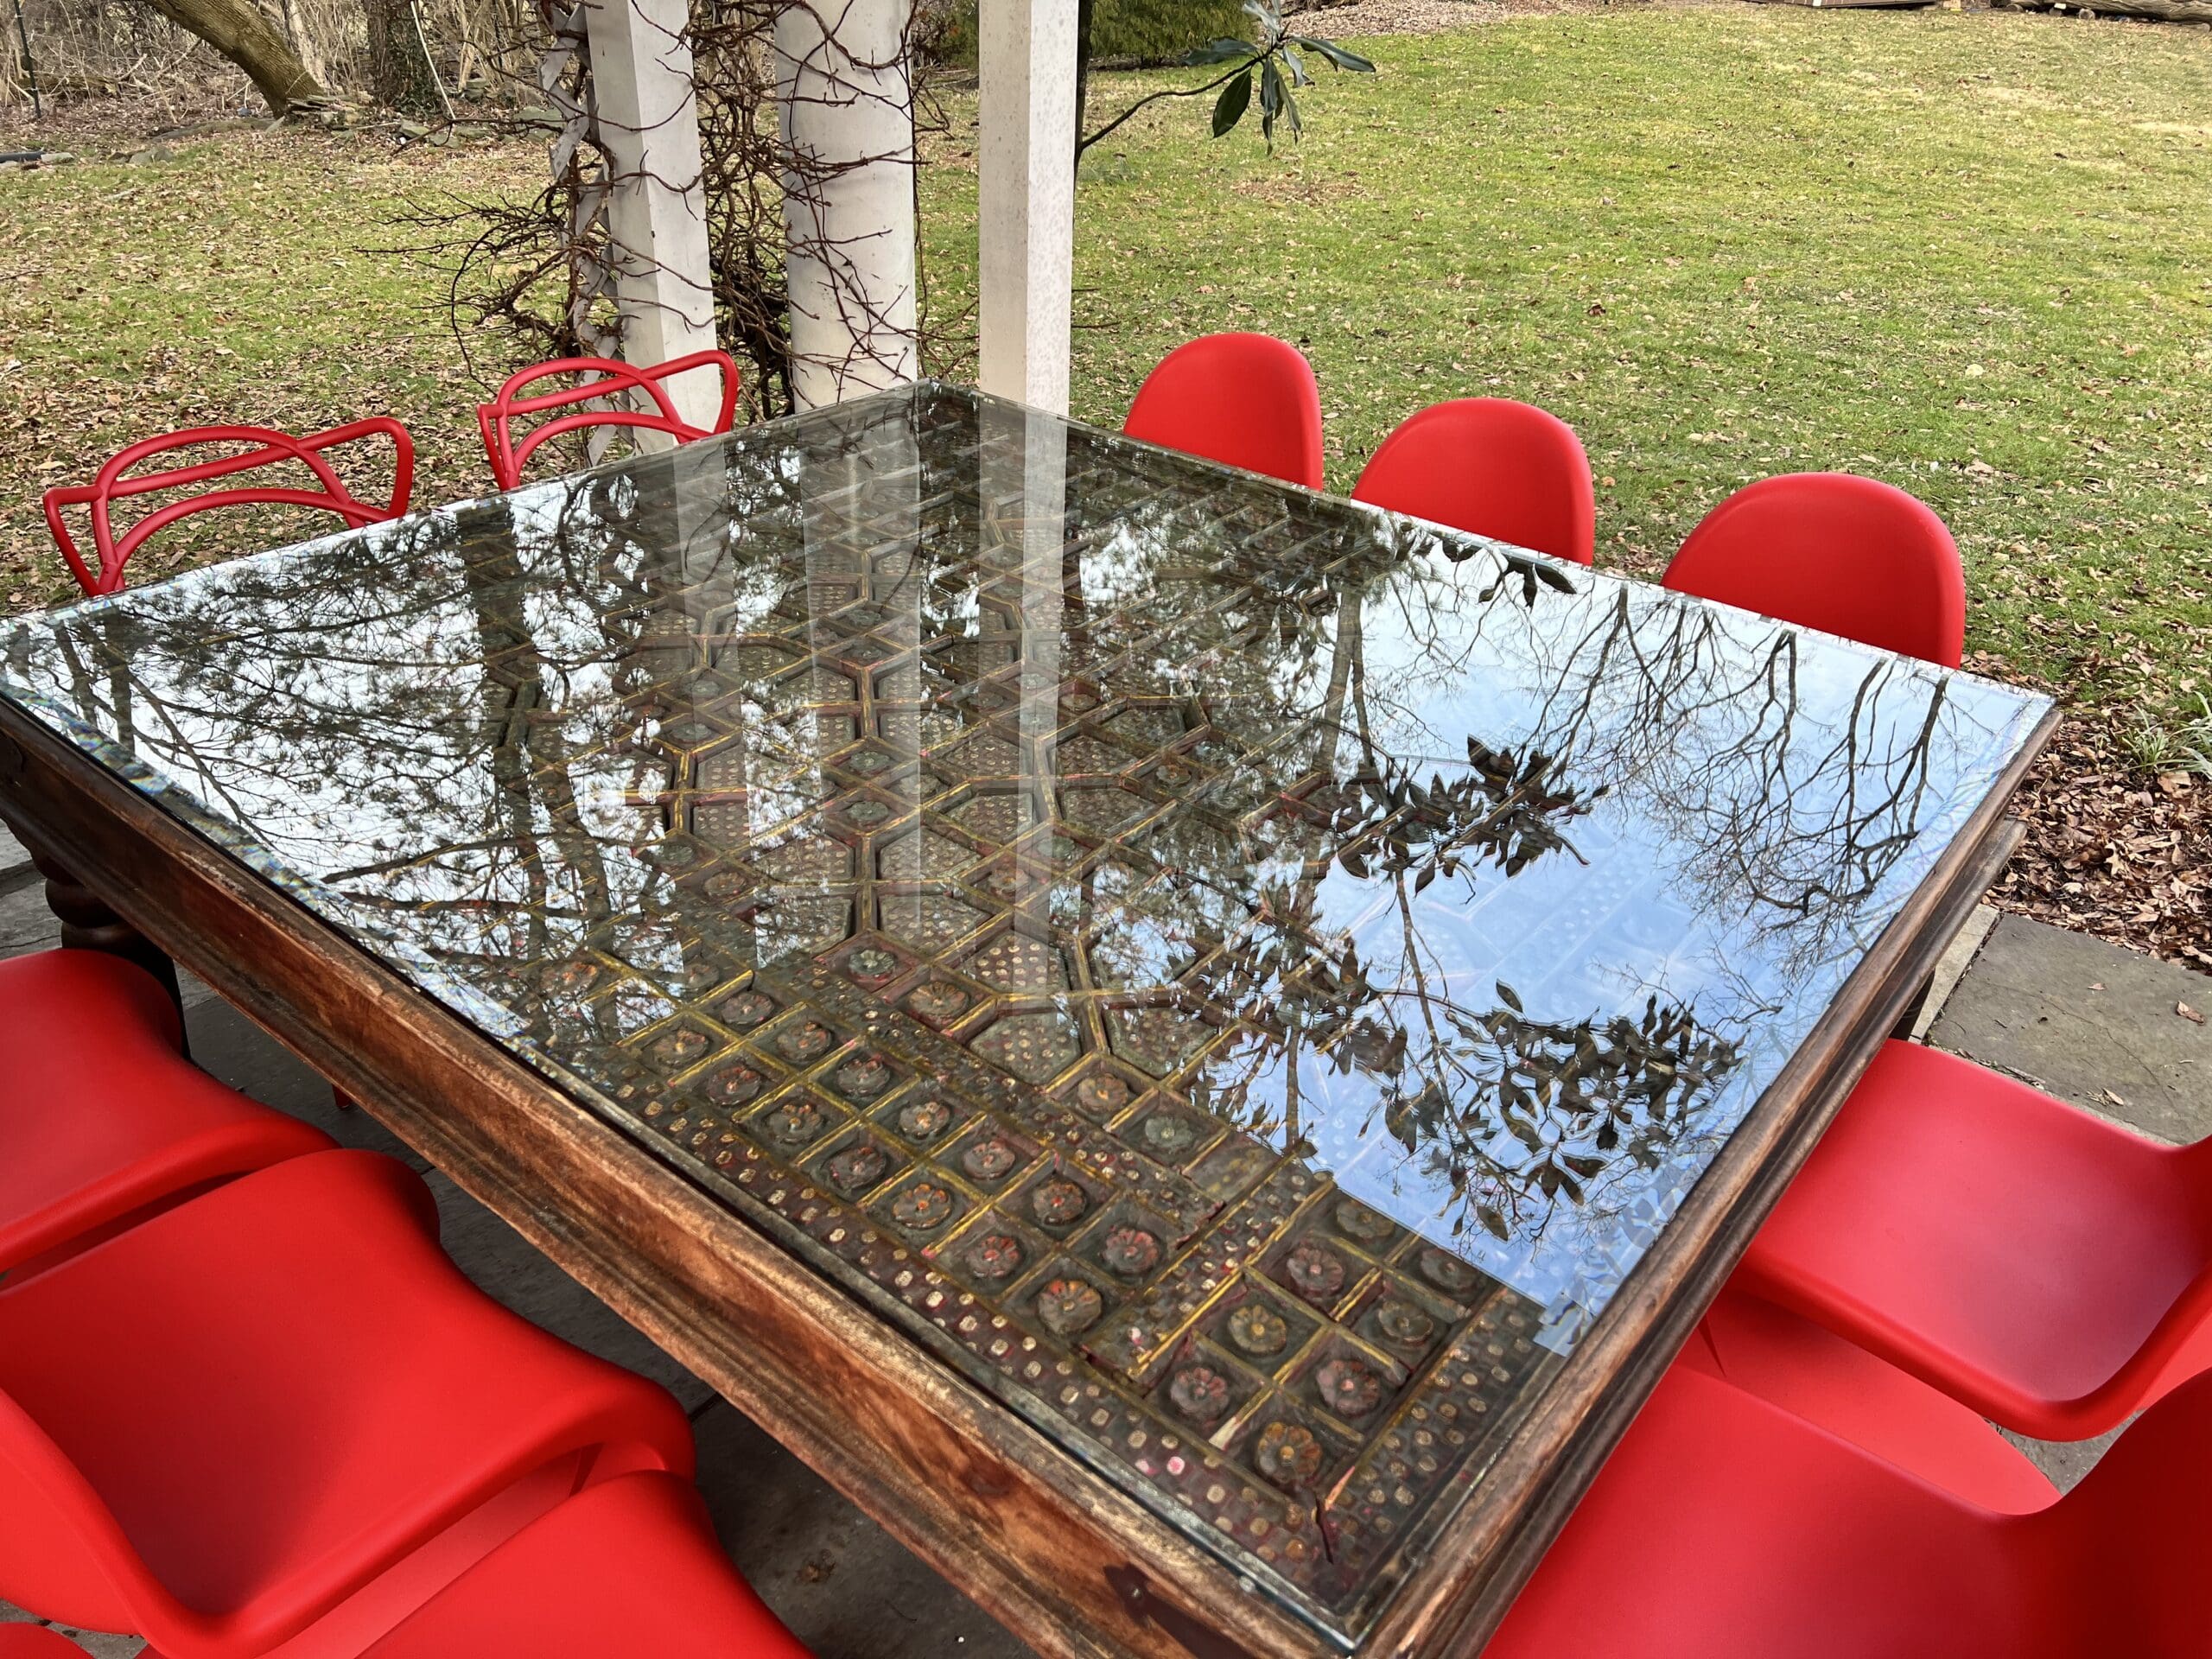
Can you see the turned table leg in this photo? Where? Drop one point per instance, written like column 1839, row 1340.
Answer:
column 87, row 924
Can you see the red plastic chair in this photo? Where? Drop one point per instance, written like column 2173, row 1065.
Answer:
column 267, row 448
column 1244, row 400
column 2049, row 1269
column 220, row 1425
column 35, row 1642
column 1492, row 467
column 1848, row 555
column 1726, row 1526
column 631, row 1567
column 1810, row 1371
column 617, row 385
column 101, row 1118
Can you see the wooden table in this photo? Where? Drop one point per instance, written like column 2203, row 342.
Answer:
column 1195, row 1048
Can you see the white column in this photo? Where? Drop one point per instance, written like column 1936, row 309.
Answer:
column 657, row 206
column 1025, row 466
column 848, row 210
column 1024, row 216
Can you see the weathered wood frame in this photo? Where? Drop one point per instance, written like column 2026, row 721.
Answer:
column 1072, row 1565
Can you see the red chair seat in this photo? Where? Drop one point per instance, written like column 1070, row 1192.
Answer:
column 631, row 1567
column 1848, row 555
column 1243, row 400
column 1726, row 1528
column 100, row 1116
column 2050, row 1271
column 216, row 1427
column 1493, row 468
column 35, row 1642
column 1810, row 1371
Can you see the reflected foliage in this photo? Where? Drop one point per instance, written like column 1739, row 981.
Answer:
column 1570, row 1098
column 1017, row 866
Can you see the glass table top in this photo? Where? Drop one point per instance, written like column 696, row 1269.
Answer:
column 1242, row 976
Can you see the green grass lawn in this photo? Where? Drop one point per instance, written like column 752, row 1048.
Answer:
column 239, row 280
column 1968, row 253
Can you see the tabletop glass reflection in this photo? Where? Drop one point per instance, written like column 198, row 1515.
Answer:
column 1244, row 976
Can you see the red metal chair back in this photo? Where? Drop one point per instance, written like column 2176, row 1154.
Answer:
column 111, row 552
column 1245, row 400
column 616, row 384
column 1492, row 467
column 1846, row 555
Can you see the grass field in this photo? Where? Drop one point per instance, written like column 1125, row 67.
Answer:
column 1970, row 253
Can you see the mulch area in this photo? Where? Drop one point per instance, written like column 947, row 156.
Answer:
column 2114, row 852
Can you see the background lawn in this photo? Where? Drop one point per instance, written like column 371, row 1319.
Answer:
column 1969, row 253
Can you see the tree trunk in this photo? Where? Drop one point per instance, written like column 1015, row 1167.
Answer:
column 400, row 73
column 238, row 29
column 296, row 37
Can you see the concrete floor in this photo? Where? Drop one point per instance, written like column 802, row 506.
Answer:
column 2084, row 1019
column 2090, row 1023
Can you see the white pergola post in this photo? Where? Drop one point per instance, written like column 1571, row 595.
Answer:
column 848, row 214
column 1025, row 217
column 648, row 113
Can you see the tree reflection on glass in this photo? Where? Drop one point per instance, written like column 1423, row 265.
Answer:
column 1106, row 878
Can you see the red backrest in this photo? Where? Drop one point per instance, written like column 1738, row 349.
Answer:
column 1245, row 400
column 1725, row 1526
column 1846, row 555
column 1492, row 467
column 2134, row 1538
column 614, row 385
column 266, row 447
column 62, row 1552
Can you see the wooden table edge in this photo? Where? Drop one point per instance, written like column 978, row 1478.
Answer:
column 1059, row 1555
column 1489, row 1547
column 975, row 1491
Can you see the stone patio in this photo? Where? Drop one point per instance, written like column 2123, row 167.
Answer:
column 2089, row 1022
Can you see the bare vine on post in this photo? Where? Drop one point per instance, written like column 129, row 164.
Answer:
column 537, row 276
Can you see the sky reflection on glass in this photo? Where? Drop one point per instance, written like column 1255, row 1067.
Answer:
column 1282, row 964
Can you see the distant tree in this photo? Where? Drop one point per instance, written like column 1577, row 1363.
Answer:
column 400, row 73
column 240, row 30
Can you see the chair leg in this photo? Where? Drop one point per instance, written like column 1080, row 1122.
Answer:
column 341, row 1099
